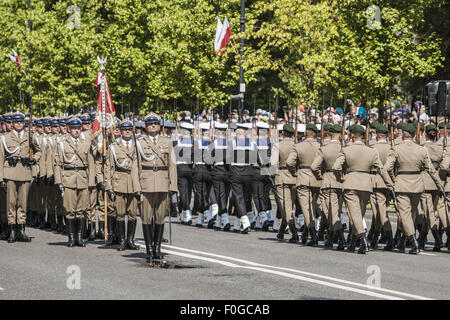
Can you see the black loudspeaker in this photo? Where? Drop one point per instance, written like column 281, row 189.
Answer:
column 437, row 98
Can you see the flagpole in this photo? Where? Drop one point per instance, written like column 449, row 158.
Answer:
column 103, row 90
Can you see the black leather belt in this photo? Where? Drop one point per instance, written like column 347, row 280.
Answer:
column 305, row 167
column 155, row 168
column 408, row 172
column 286, row 168
column 75, row 168
column 123, row 170
column 359, row 171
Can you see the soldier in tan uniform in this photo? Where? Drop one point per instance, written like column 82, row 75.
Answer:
column 16, row 173
column 330, row 187
column 380, row 196
column 301, row 157
column 357, row 161
column 74, row 175
column 285, row 181
column 410, row 159
column 119, row 184
column 430, row 197
column 154, row 175
column 4, row 230
column 441, row 209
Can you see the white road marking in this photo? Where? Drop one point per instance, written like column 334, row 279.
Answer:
column 427, row 254
column 264, row 268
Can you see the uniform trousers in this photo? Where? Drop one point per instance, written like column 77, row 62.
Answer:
column 429, row 201
column 408, row 207
column 443, row 213
column 75, row 202
column 260, row 191
column 241, row 187
column 331, row 207
column 154, row 205
column 185, row 183
column 125, row 204
column 16, row 204
column 378, row 201
column 308, row 201
column 287, row 194
column 356, row 201
column 221, row 186
column 202, row 187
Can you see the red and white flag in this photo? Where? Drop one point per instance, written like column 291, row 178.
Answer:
column 16, row 59
column 107, row 108
column 223, row 34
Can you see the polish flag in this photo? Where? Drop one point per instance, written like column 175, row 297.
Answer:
column 223, row 34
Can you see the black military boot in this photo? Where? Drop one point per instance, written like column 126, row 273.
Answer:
column 371, row 231
column 383, row 237
column 402, row 243
column 91, row 231
column 305, row 235
column 341, row 244
column 398, row 237
column 21, row 235
column 5, row 232
column 65, row 230
column 280, row 235
column 294, row 238
column 80, row 226
column 421, row 239
column 115, row 238
column 364, row 245
column 414, row 245
column 351, row 240
column 147, row 229
column 159, row 230
column 60, row 224
column 329, row 242
column 448, row 238
column 12, row 233
column 374, row 241
column 101, row 233
column 322, row 228
column 389, row 241
column 121, row 233
column 314, row 242
column 437, row 239
column 70, row 225
column 349, row 236
column 53, row 224
column 43, row 223
column 131, row 230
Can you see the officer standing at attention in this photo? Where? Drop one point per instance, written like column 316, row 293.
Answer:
column 154, row 175
column 75, row 178
column 16, row 173
column 410, row 159
column 119, row 186
column 301, row 157
column 359, row 159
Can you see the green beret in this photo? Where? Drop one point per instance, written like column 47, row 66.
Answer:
column 381, row 129
column 327, row 127
column 336, row 128
column 431, row 127
column 400, row 125
column 288, row 128
column 374, row 124
column 355, row 128
column 410, row 128
column 312, row 127
column 442, row 125
column 422, row 126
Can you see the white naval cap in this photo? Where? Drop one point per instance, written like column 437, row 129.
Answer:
column 262, row 125
column 220, row 125
column 204, row 125
column 186, row 125
column 244, row 125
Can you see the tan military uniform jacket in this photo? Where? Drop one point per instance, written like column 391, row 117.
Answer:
column 41, row 168
column 71, row 156
column 52, row 143
column 284, row 173
column 323, row 164
column 13, row 146
column 157, row 170
column 301, row 157
column 357, row 161
column 120, row 163
column 382, row 147
column 435, row 152
column 444, row 170
column 408, row 157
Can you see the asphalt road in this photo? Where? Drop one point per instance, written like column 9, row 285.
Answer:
column 206, row 264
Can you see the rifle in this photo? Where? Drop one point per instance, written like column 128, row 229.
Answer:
column 296, row 126
column 321, row 127
column 367, row 124
column 417, row 135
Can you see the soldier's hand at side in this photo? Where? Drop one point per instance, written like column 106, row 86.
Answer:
column 61, row 188
column 111, row 195
column 101, row 186
column 138, row 195
column 32, row 161
column 90, row 188
column 3, row 186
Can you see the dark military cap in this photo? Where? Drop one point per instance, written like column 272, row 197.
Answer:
column 431, row 127
column 7, row 118
column 336, row 128
column 381, row 128
column 288, row 128
column 92, row 116
column 312, row 127
column 442, row 125
column 54, row 122
column 152, row 119
column 85, row 119
column 39, row 123
column 126, row 124
column 74, row 122
column 62, row 122
column 422, row 126
column 355, row 128
column 46, row 122
column 17, row 116
column 327, row 127
column 169, row 125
